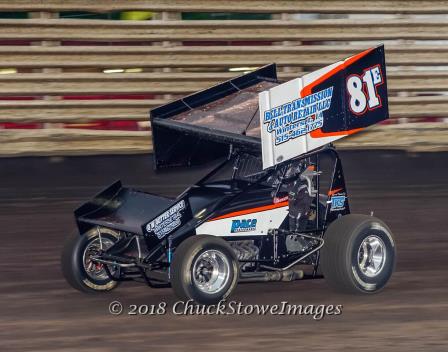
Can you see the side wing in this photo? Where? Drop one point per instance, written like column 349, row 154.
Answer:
column 325, row 105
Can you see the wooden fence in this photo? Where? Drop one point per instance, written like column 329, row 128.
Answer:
column 66, row 57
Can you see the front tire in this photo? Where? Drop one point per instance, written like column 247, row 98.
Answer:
column 80, row 272
column 204, row 269
column 358, row 255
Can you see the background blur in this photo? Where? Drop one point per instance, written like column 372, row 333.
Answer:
column 79, row 77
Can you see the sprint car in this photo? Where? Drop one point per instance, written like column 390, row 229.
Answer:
column 274, row 208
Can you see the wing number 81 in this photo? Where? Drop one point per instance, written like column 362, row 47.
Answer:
column 363, row 90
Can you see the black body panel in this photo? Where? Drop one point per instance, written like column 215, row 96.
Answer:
column 155, row 226
column 121, row 208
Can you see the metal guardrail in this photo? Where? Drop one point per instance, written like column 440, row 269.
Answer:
column 252, row 6
column 254, row 30
column 83, row 111
column 32, row 84
column 415, row 137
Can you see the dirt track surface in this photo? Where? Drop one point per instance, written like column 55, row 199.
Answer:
column 39, row 312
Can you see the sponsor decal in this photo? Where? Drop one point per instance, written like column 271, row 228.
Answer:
column 298, row 117
column 280, row 199
column 168, row 221
column 334, row 191
column 245, row 225
column 337, row 202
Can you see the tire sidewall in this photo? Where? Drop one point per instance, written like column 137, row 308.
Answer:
column 363, row 282
column 193, row 291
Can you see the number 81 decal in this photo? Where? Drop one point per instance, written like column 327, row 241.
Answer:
column 363, row 90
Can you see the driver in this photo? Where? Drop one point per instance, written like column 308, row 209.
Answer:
column 299, row 198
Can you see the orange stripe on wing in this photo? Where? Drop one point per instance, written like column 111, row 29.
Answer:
column 251, row 210
column 308, row 89
column 319, row 133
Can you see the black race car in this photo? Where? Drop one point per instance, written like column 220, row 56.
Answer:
column 275, row 208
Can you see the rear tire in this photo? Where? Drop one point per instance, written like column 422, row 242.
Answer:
column 204, row 269
column 75, row 266
column 358, row 255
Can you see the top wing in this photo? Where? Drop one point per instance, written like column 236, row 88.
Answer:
column 325, row 105
column 203, row 126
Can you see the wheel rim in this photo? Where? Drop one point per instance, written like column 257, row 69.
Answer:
column 211, row 271
column 371, row 256
column 95, row 271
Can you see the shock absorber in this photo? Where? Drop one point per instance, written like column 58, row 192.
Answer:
column 169, row 255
